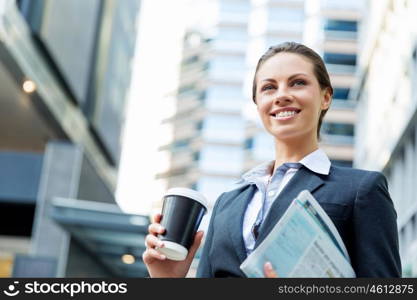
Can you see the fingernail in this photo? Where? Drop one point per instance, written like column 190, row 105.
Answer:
column 268, row 266
column 161, row 229
column 163, row 256
column 160, row 244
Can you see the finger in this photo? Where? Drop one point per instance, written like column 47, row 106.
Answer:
column 155, row 229
column 150, row 255
column 157, row 218
column 269, row 271
column 196, row 244
column 152, row 241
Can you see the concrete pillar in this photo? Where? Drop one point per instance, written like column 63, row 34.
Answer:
column 60, row 178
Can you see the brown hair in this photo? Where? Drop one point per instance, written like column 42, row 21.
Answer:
column 319, row 68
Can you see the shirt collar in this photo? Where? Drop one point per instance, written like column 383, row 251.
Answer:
column 317, row 161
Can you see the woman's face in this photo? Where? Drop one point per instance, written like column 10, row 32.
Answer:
column 289, row 97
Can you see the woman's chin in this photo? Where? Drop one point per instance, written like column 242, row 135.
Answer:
column 287, row 135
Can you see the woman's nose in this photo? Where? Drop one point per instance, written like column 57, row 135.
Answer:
column 282, row 95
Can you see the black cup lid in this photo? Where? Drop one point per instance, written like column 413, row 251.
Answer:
column 189, row 193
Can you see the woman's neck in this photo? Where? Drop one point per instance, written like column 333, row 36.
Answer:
column 294, row 150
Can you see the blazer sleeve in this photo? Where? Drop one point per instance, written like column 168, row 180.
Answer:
column 376, row 250
column 204, row 268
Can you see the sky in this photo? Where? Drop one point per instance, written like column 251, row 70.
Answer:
column 154, row 78
column 161, row 27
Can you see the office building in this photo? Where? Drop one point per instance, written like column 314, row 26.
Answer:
column 386, row 128
column 65, row 73
column 208, row 129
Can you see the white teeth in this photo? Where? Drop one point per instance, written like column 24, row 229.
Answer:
column 283, row 114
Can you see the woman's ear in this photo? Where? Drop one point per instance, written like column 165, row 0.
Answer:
column 327, row 99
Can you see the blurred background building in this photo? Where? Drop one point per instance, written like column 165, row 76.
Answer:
column 208, row 127
column 386, row 127
column 64, row 74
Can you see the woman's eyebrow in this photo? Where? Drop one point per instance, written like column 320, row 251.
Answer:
column 297, row 74
column 289, row 78
column 269, row 80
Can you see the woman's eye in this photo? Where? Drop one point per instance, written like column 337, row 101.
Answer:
column 299, row 82
column 267, row 87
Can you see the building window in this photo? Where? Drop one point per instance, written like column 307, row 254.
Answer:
column 286, row 15
column 232, row 34
column 340, row 59
column 191, row 60
column 180, row 144
column 414, row 226
column 212, row 186
column 241, row 7
column 281, row 18
column 248, row 143
column 339, row 25
column 338, row 129
column 263, row 147
column 221, row 159
column 341, row 93
column 227, row 66
column 224, row 98
column 188, row 90
column 224, row 128
column 196, row 156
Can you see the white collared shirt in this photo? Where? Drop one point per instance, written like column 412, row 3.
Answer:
column 317, row 161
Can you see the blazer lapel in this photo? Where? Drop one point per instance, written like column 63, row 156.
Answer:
column 240, row 200
column 303, row 179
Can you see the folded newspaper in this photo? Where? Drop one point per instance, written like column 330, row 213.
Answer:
column 304, row 243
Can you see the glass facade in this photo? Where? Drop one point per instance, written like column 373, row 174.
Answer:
column 263, row 147
column 223, row 128
column 212, row 71
column 285, row 19
column 77, row 56
column 340, row 25
column 212, row 186
column 97, row 74
column 338, row 129
column 341, row 93
column 110, row 84
column 343, row 30
column 60, row 25
column 339, row 59
column 221, row 159
column 227, row 67
column 228, row 98
column 234, row 11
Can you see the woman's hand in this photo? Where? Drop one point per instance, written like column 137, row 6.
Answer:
column 156, row 263
column 269, row 271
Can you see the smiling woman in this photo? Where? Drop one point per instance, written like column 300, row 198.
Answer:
column 304, row 59
column 292, row 93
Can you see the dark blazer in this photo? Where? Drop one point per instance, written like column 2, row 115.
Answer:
column 356, row 200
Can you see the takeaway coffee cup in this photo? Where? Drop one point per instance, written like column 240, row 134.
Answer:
column 182, row 212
